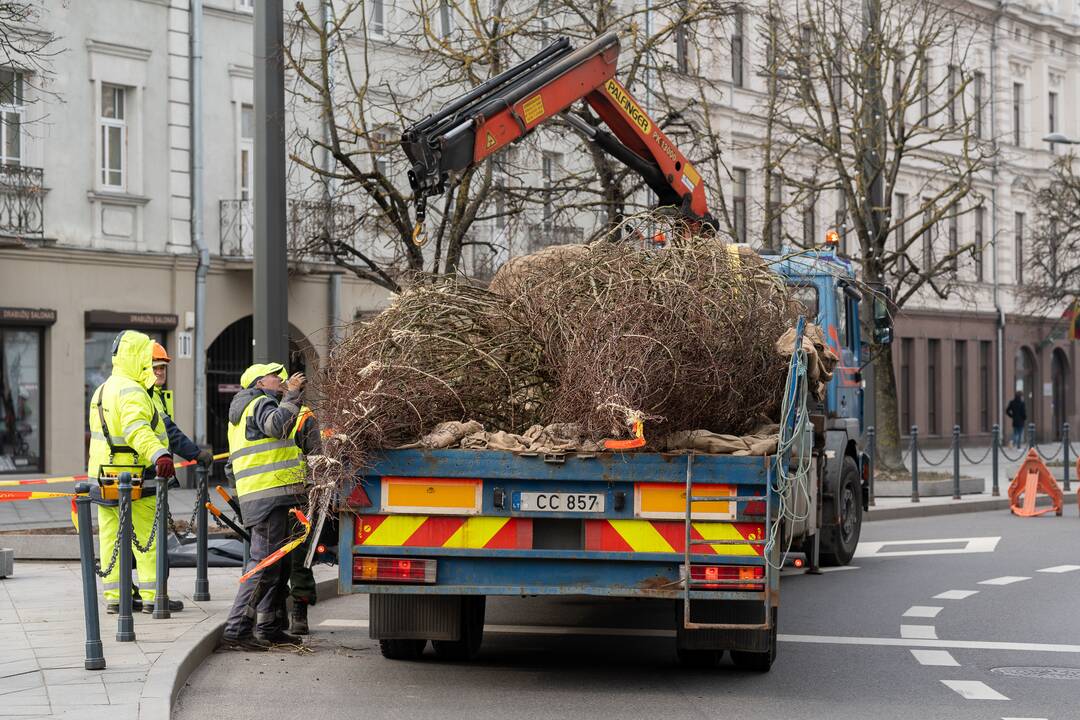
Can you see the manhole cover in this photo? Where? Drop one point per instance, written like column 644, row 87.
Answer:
column 1044, row 673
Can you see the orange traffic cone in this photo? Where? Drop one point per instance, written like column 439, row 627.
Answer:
column 1032, row 478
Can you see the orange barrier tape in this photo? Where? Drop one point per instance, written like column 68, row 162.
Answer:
column 284, row 549
column 1031, row 479
column 13, row 495
column 638, row 441
column 78, row 478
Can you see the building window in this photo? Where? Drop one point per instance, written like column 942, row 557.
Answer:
column 954, row 243
column 1018, row 229
column 977, row 251
column 1051, row 119
column 377, row 21
column 549, row 163
column 841, row 220
column 953, row 82
column 738, row 203
column 901, row 234
column 21, row 400
column 245, row 5
column 933, row 383
column 246, row 158
column 929, row 236
column 907, row 352
column 959, row 394
column 776, row 198
column 809, row 220
column 839, row 52
column 11, row 117
column 977, row 84
column 985, row 385
column 1018, row 89
column 924, row 91
column 738, row 62
column 113, row 123
column 446, row 20
column 682, row 40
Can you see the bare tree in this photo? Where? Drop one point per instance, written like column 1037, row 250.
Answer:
column 1051, row 261
column 873, row 101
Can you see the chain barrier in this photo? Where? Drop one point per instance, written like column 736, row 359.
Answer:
column 1009, row 457
column 935, row 464
column 153, row 532
column 1050, row 458
column 980, row 460
column 122, row 518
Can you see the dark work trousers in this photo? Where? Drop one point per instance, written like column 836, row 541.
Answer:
column 260, row 596
column 301, row 579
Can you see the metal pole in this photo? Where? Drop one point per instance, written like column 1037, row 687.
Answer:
column 161, row 596
column 956, row 462
column 202, row 582
column 871, row 433
column 914, row 463
column 197, row 238
column 95, row 659
column 125, row 624
column 995, row 444
column 1031, row 434
column 271, row 269
column 1065, row 456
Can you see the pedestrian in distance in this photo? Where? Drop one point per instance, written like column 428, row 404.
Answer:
column 128, row 434
column 1018, row 412
column 266, row 465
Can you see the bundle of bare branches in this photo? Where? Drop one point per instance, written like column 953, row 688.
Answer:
column 606, row 335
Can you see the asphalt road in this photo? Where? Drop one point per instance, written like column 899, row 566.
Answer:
column 868, row 642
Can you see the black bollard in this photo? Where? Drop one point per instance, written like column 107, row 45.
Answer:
column 914, row 463
column 202, row 582
column 95, row 659
column 871, row 443
column 1065, row 455
column 1031, row 435
column 161, row 595
column 125, row 624
column 995, row 444
column 956, row 462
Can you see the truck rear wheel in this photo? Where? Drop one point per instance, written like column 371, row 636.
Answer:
column 472, row 631
column 839, row 540
column 755, row 661
column 402, row 649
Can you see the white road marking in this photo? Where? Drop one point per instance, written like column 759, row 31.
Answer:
column 1016, row 718
column 1060, row 569
column 918, row 632
column 941, row 658
column 974, row 690
column 334, row 622
column 971, row 545
column 840, row 568
column 955, row 594
column 923, row 611
column 1004, row 580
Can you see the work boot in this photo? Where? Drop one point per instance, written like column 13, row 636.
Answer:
column 174, row 606
column 246, row 641
column 113, row 608
column 298, row 624
column 277, row 637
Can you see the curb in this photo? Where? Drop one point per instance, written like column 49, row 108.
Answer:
column 917, row 510
column 168, row 675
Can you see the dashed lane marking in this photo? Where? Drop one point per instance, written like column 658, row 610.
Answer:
column 974, row 690
column 970, row 545
column 812, row 639
column 1018, row 718
column 923, row 611
column 940, row 658
column 955, row 594
column 1060, row 569
column 1004, row 580
column 918, row 632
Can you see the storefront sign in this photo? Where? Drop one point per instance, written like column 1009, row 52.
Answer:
column 27, row 316
column 136, row 321
column 229, row 388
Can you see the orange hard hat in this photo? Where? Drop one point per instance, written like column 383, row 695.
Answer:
column 160, row 355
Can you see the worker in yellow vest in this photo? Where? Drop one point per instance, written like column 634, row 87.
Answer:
column 127, row 434
column 266, row 465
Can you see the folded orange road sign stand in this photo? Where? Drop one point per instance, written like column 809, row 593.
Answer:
column 1031, row 479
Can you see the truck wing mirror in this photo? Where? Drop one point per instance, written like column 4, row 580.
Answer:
column 883, row 324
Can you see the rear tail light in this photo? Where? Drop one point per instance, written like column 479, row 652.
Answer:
column 386, row 569
column 723, row 575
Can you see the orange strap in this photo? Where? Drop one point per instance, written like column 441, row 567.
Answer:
column 636, row 442
column 284, row 549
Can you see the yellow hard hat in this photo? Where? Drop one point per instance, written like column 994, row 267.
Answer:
column 260, row 370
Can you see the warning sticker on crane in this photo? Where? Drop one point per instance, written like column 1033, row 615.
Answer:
column 533, row 109
column 628, row 106
column 489, row 142
column 690, row 177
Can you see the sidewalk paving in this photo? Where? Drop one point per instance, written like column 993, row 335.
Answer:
column 42, row 637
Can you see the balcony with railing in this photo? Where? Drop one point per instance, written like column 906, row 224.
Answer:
column 22, row 196
column 312, row 225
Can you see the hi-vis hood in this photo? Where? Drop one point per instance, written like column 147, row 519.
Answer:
column 133, row 357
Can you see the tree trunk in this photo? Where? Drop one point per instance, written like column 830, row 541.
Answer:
column 888, row 418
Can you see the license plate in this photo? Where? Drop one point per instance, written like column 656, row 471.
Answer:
column 559, row 502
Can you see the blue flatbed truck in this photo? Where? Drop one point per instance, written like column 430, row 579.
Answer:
column 429, row 534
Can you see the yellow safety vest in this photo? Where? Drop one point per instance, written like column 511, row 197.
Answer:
column 265, row 467
column 163, row 399
column 305, row 416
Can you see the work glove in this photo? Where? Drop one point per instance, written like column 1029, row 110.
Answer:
column 165, row 467
column 205, row 459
